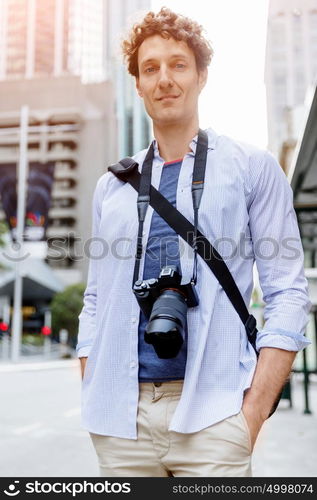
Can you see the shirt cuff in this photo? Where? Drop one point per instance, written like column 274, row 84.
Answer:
column 281, row 339
column 83, row 351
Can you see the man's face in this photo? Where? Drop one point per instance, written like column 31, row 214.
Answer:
column 168, row 80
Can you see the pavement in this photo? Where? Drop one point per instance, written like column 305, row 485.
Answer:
column 41, row 435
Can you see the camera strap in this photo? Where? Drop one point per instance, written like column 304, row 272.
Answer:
column 143, row 200
column 127, row 171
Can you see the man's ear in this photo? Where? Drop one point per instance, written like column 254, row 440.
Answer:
column 137, row 84
column 203, row 75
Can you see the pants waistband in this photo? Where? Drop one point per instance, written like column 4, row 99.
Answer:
column 160, row 387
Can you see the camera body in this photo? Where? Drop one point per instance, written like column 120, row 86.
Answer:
column 164, row 301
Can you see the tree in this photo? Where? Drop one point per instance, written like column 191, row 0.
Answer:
column 65, row 308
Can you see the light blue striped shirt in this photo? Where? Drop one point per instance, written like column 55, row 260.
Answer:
column 247, row 213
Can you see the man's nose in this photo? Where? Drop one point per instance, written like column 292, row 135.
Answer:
column 165, row 79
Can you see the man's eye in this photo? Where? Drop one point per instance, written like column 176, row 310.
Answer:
column 180, row 65
column 150, row 69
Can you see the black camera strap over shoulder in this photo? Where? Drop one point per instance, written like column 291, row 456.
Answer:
column 127, row 171
column 197, row 190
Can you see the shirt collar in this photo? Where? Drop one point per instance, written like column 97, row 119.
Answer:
column 212, row 139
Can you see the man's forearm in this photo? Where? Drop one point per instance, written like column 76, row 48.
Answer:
column 82, row 366
column 273, row 368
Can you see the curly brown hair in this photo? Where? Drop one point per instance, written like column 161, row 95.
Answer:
column 167, row 23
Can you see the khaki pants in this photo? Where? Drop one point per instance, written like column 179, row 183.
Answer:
column 221, row 450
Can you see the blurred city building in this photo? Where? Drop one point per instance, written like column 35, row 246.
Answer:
column 61, row 58
column 80, row 37
column 133, row 123
column 291, row 77
column 303, row 179
column 72, row 125
column 291, row 69
column 43, row 43
column 34, row 38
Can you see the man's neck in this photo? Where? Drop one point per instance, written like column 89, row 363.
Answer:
column 173, row 142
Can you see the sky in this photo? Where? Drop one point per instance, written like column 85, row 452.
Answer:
column 234, row 100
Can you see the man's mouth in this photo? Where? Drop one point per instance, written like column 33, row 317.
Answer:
column 169, row 96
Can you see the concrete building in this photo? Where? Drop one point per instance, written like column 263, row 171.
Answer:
column 79, row 37
column 34, row 38
column 303, row 179
column 52, row 37
column 61, row 58
column 134, row 126
column 291, row 67
column 72, row 125
column 43, row 45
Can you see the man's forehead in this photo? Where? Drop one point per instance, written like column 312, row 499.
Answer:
column 151, row 48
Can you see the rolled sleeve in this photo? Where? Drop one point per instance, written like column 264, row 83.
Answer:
column 83, row 350
column 281, row 339
column 278, row 254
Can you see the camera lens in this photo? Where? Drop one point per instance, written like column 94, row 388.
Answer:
column 165, row 329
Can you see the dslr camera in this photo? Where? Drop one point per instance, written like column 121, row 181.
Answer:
column 164, row 301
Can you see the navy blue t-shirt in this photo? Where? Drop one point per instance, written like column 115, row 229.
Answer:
column 162, row 249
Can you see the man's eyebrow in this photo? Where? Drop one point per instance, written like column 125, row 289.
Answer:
column 147, row 61
column 153, row 59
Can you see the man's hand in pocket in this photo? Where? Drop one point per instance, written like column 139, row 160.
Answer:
column 254, row 421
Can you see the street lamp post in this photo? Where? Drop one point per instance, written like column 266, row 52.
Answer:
column 18, row 283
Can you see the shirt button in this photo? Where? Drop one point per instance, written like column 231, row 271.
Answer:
column 143, row 234
column 133, row 364
column 133, row 320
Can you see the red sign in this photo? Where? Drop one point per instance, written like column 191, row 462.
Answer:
column 4, row 326
column 46, row 330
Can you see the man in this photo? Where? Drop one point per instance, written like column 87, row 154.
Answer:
column 197, row 414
